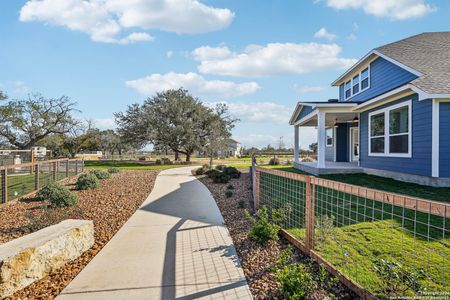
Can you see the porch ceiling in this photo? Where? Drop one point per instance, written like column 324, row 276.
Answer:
column 331, row 118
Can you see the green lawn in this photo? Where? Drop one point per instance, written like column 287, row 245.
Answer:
column 359, row 231
column 385, row 184
column 104, row 164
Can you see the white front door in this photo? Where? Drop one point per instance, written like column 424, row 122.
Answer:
column 354, row 144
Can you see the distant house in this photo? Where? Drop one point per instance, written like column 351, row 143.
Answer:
column 392, row 117
column 232, row 149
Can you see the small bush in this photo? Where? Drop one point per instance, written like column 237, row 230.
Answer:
column 232, row 172
column 241, row 203
column 220, row 167
column 263, row 228
column 57, row 194
column 163, row 161
column 228, row 194
column 296, row 282
column 274, row 161
column 101, row 175
column 199, row 171
column 113, row 170
column 325, row 228
column 218, row 177
column 87, row 182
column 230, row 187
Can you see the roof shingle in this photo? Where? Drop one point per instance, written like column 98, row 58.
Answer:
column 428, row 53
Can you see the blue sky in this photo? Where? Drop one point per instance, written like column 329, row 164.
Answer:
column 260, row 57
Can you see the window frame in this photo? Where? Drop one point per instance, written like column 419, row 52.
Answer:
column 360, row 90
column 387, row 133
column 332, row 137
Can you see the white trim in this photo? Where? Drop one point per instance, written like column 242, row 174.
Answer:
column 435, row 139
column 386, row 135
column 321, row 139
column 379, row 54
column 296, row 144
column 335, row 143
column 351, row 141
column 306, row 118
column 359, row 83
column 332, row 137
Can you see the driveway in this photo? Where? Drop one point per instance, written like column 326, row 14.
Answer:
column 175, row 246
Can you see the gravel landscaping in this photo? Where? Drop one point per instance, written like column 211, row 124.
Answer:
column 109, row 206
column 258, row 260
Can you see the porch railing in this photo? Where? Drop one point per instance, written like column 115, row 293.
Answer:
column 22, row 180
column 379, row 244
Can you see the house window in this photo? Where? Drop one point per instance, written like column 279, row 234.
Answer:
column 390, row 131
column 357, row 84
column 329, row 134
column 348, row 89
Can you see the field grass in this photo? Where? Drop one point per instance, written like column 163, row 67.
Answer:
column 385, row 184
column 359, row 231
column 105, row 164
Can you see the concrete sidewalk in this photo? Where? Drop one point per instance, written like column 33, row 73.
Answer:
column 175, row 246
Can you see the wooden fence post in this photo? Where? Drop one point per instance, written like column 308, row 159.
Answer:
column 4, row 174
column 257, row 190
column 309, row 213
column 54, row 170
column 67, row 168
column 36, row 177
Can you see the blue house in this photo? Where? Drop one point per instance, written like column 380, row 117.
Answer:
column 392, row 117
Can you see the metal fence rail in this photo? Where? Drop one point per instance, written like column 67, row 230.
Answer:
column 379, row 244
column 21, row 180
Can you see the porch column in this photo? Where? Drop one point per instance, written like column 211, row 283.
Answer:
column 321, row 139
column 296, row 144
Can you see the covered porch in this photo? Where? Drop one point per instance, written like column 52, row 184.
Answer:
column 338, row 136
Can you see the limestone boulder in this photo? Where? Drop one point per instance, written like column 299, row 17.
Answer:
column 32, row 257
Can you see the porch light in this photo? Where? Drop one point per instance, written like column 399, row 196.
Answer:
column 355, row 119
column 336, row 123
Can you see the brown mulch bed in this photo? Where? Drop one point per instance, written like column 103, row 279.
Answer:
column 109, row 206
column 256, row 259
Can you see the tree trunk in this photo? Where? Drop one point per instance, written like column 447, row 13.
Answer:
column 211, row 161
column 188, row 156
column 177, row 155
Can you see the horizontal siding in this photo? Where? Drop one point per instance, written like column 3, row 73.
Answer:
column 306, row 110
column 384, row 76
column 420, row 162
column 444, row 139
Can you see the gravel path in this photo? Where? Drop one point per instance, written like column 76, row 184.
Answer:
column 109, row 206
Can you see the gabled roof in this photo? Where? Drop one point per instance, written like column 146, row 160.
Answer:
column 426, row 55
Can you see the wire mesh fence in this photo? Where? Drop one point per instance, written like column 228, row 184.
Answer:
column 383, row 244
column 23, row 179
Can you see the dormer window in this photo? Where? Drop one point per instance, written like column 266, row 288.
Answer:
column 357, row 84
column 348, row 89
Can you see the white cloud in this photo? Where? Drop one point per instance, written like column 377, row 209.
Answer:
column 324, row 34
column 391, row 9
column 271, row 59
column 105, row 123
column 195, row 83
column 169, row 54
column 352, row 37
column 310, row 89
column 265, row 112
column 105, row 20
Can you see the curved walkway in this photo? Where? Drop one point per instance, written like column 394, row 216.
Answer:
column 175, row 246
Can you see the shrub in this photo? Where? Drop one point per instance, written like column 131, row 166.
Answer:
column 100, row 174
column 57, row 194
column 325, row 228
column 232, row 172
column 241, row 203
column 163, row 161
column 274, row 161
column 296, row 282
column 199, row 171
column 87, row 182
column 113, row 170
column 228, row 194
column 220, row 167
column 263, row 228
column 230, row 187
column 218, row 177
